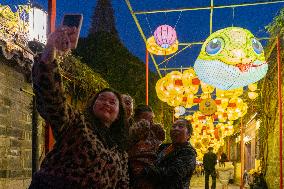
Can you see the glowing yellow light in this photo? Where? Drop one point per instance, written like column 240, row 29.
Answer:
column 206, row 88
column 252, row 87
column 154, row 48
column 252, row 95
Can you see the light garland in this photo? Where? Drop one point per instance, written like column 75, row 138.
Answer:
column 179, row 89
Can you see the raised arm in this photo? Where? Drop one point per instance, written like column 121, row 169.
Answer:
column 176, row 169
column 47, row 83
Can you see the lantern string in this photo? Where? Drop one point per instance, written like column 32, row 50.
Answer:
column 178, row 19
column 166, row 63
column 148, row 24
column 233, row 16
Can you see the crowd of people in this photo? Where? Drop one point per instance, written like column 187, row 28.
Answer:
column 112, row 144
column 105, row 146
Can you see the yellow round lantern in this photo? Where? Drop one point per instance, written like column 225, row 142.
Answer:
column 188, row 75
column 197, row 145
column 154, row 48
column 252, row 95
column 175, row 100
column 205, row 141
column 206, row 88
column 187, row 100
column 229, row 93
column 174, row 82
column 161, row 90
column 252, row 87
column 221, row 117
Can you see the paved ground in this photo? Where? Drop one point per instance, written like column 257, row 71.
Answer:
column 198, row 183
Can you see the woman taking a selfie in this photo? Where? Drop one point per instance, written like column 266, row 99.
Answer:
column 90, row 148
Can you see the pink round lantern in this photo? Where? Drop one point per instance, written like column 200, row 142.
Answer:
column 165, row 36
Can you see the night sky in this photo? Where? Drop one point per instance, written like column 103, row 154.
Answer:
column 191, row 26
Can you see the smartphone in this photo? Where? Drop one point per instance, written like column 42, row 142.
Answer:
column 73, row 20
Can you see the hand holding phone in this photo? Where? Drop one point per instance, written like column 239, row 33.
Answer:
column 63, row 38
column 73, row 21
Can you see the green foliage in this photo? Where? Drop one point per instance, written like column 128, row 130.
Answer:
column 105, row 54
column 277, row 25
column 80, row 81
column 268, row 102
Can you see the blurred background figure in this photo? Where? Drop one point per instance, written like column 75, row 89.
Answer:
column 225, row 171
column 209, row 162
column 128, row 103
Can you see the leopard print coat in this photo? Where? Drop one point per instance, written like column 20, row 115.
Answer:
column 79, row 158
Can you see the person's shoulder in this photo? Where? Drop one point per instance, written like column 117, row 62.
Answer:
column 188, row 149
column 163, row 146
column 229, row 165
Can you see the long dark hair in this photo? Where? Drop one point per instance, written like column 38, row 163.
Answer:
column 117, row 133
column 223, row 159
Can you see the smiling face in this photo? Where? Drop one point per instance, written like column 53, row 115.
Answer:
column 106, row 107
column 231, row 58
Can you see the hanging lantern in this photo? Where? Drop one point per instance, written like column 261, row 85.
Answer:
column 221, row 117
column 231, row 58
column 229, row 93
column 180, row 110
column 205, row 140
column 252, row 87
column 165, row 36
column 188, row 78
column 223, row 103
column 206, row 88
column 187, row 99
column 154, row 48
column 175, row 100
column 161, row 90
column 177, row 115
column 189, row 117
column 175, row 84
column 252, row 95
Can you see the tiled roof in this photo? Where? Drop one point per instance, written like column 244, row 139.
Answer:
column 21, row 57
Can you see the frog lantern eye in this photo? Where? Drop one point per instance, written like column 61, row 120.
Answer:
column 256, row 45
column 214, row 46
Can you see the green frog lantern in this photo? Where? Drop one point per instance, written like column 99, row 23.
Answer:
column 231, row 58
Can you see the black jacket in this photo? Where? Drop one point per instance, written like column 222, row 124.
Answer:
column 174, row 170
column 209, row 161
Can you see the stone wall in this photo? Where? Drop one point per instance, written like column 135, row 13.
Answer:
column 270, row 117
column 15, row 128
column 273, row 168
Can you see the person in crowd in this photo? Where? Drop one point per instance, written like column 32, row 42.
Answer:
column 225, row 171
column 202, row 169
column 145, row 138
column 198, row 170
column 90, row 150
column 128, row 103
column 246, row 179
column 176, row 161
column 258, row 181
column 209, row 162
